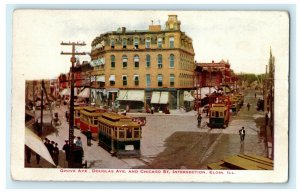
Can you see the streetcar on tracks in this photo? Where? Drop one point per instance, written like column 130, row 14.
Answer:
column 89, row 119
column 219, row 116
column 119, row 134
column 77, row 110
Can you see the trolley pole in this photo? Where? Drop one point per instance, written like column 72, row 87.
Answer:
column 71, row 118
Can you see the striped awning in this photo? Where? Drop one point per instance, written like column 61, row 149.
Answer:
column 160, row 97
column 36, row 144
column 131, row 95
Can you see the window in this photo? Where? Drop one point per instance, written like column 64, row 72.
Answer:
column 136, row 43
column 121, row 133
column 217, row 113
column 136, row 80
column 159, row 42
column 112, row 61
column 129, row 133
column 124, row 77
column 148, row 80
column 136, row 61
column 159, row 61
column 172, row 61
column 171, row 42
column 159, row 80
column 172, row 79
column 112, row 79
column 124, row 59
column 148, row 60
column 112, row 43
column 124, row 42
column 148, row 41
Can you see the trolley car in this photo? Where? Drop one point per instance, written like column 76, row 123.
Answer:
column 89, row 119
column 119, row 134
column 77, row 110
column 219, row 116
column 234, row 107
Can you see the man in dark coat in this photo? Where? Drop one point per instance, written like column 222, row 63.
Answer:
column 89, row 137
column 55, row 154
column 66, row 148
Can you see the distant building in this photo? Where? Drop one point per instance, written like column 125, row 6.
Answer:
column 215, row 73
column 139, row 67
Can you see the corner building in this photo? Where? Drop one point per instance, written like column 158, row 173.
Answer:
column 143, row 68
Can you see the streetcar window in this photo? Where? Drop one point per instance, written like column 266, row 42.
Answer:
column 217, row 114
column 212, row 113
column 121, row 133
column 116, row 132
column 78, row 113
column 136, row 133
column 95, row 122
column 221, row 114
column 129, row 133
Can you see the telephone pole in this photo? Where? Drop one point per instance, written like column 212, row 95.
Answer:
column 71, row 118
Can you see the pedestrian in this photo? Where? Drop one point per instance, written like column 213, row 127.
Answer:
column 51, row 148
column 89, row 137
column 67, row 116
column 38, row 158
column 78, row 142
column 127, row 108
column 199, row 118
column 55, row 154
column 152, row 110
column 248, row 106
column 242, row 134
column 255, row 95
column 28, row 154
column 66, row 148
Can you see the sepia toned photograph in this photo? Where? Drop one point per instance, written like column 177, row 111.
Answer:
column 152, row 96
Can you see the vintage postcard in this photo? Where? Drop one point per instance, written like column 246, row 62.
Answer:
column 150, row 96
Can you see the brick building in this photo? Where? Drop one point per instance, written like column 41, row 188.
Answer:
column 215, row 73
column 139, row 67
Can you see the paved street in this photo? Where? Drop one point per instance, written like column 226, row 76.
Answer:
column 173, row 141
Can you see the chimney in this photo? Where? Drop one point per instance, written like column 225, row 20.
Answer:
column 123, row 29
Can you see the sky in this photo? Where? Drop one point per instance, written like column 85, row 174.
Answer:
column 242, row 38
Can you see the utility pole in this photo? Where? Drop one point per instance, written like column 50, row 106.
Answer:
column 42, row 108
column 71, row 118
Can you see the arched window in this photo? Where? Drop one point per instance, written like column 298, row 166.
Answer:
column 112, row 43
column 172, row 61
column 171, row 42
column 112, row 61
column 159, row 42
column 148, row 60
column 159, row 80
column 124, row 61
column 148, row 42
column 124, row 78
column 172, row 80
column 159, row 61
column 136, row 61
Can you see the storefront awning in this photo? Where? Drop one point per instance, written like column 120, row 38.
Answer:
column 112, row 78
column 85, row 93
column 155, row 97
column 131, row 95
column 187, row 96
column 160, row 97
column 164, row 98
column 36, row 144
column 101, row 78
column 67, row 92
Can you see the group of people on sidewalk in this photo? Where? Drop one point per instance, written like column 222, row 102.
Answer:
column 78, row 152
column 53, row 150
